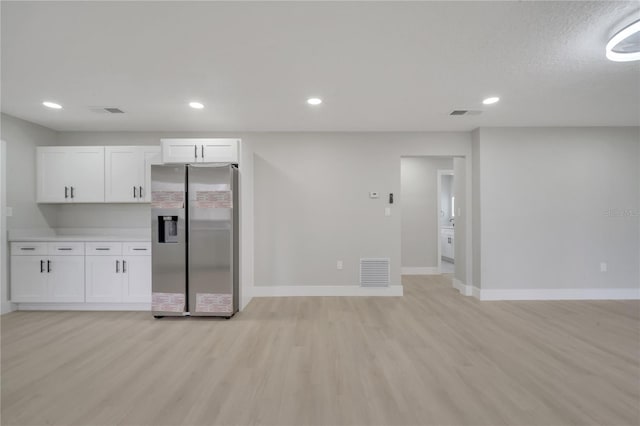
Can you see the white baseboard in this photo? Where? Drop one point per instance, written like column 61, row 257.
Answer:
column 84, row 307
column 475, row 292
column 464, row 289
column 325, row 290
column 558, row 294
column 7, row 307
column 427, row 270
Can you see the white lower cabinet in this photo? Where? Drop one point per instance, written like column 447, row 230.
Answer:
column 102, row 281
column 39, row 278
column 94, row 272
column 66, row 278
column 137, row 279
column 116, row 276
column 28, row 280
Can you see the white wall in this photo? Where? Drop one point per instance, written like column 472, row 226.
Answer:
column 22, row 138
column 19, row 164
column 312, row 206
column 544, row 213
column 476, row 211
column 461, row 217
column 420, row 216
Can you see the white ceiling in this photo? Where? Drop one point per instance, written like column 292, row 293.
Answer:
column 391, row 66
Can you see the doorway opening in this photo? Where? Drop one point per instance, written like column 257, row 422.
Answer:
column 428, row 201
column 446, row 221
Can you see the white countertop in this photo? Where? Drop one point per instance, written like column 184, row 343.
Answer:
column 80, row 234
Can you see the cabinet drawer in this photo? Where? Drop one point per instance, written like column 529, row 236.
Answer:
column 28, row 249
column 136, row 249
column 66, row 249
column 103, row 249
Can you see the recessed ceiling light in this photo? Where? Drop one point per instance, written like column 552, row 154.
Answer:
column 314, row 101
column 491, row 100
column 52, row 105
column 625, row 45
column 196, row 105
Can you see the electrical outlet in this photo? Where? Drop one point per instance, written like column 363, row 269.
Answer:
column 339, row 265
column 603, row 266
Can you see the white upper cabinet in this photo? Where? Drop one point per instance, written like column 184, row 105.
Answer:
column 128, row 173
column 70, row 174
column 200, row 150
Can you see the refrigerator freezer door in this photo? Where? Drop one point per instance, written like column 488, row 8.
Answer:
column 169, row 243
column 211, row 241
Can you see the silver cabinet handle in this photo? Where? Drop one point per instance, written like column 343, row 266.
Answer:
column 103, row 248
column 48, row 266
column 64, row 248
column 202, row 152
column 27, row 248
column 140, row 192
column 71, row 191
column 66, row 192
column 140, row 249
column 117, row 266
column 124, row 266
column 134, row 192
column 41, row 266
column 196, row 150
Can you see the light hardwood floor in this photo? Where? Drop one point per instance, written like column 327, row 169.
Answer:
column 430, row 357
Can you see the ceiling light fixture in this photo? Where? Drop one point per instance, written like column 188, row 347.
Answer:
column 624, row 46
column 491, row 100
column 314, row 101
column 196, row 105
column 52, row 105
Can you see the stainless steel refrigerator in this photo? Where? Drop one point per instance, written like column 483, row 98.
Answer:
column 194, row 224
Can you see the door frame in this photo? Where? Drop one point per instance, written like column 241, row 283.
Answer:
column 441, row 173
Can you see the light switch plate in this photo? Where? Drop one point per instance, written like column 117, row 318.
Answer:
column 603, row 266
column 374, row 194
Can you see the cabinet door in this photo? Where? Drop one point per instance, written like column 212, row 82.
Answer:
column 28, row 279
column 52, row 175
column 65, row 276
column 151, row 155
column 122, row 174
column 86, row 174
column 179, row 151
column 219, row 151
column 137, row 279
column 103, row 278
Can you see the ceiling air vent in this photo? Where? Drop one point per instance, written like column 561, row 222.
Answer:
column 105, row 110
column 374, row 272
column 465, row 112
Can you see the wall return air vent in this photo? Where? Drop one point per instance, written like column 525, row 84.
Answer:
column 375, row 272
